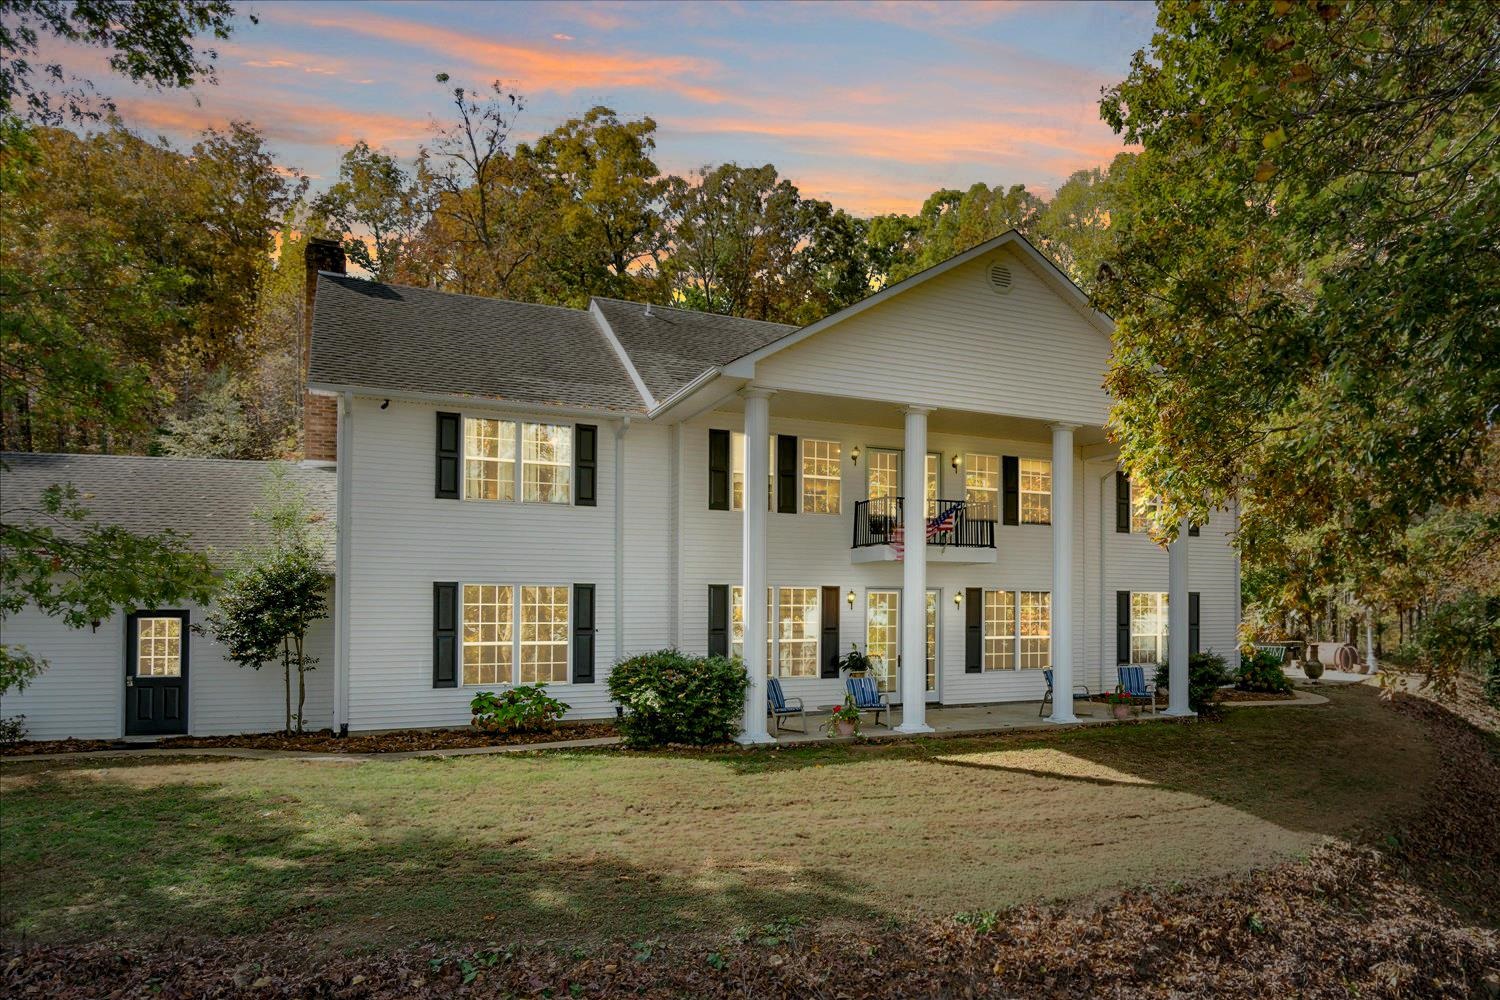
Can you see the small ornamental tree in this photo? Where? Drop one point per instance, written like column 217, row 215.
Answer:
column 276, row 593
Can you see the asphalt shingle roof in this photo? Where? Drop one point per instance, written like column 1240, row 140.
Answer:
column 372, row 335
column 671, row 347
column 208, row 500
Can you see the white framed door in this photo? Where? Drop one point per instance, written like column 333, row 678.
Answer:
column 883, row 640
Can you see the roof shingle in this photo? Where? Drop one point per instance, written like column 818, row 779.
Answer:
column 210, row 501
column 396, row 337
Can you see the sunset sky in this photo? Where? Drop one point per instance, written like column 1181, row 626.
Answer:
column 870, row 106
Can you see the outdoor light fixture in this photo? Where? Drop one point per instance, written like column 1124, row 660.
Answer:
column 955, row 462
column 386, row 405
column 958, row 598
column 854, row 455
column 850, row 598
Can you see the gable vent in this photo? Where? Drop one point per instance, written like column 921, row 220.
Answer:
column 1000, row 278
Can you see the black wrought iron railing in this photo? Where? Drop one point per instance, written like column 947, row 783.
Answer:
column 948, row 522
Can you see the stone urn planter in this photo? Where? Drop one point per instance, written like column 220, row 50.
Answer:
column 1312, row 666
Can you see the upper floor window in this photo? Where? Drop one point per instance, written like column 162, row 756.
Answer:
column 1036, row 629
column 982, row 485
column 491, row 469
column 932, row 476
column 737, row 471
column 546, row 463
column 489, row 459
column 1143, row 508
column 821, row 476
column 1148, row 627
column 1036, row 491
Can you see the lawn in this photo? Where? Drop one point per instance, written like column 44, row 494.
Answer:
column 587, row 845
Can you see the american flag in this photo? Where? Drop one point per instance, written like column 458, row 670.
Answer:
column 944, row 523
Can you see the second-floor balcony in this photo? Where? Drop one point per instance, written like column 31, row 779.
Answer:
column 956, row 531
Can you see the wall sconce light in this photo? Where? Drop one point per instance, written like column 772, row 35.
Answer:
column 958, row 598
column 850, row 598
column 854, row 455
column 94, row 625
column 956, row 462
column 386, row 405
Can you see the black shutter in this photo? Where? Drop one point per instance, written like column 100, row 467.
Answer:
column 718, row 619
column 1010, row 488
column 1122, row 626
column 786, row 474
column 586, row 465
column 1122, row 502
column 830, row 643
column 718, row 471
column 444, row 635
column 1193, row 622
column 973, row 630
column 1193, row 530
column 449, row 441
column 583, row 633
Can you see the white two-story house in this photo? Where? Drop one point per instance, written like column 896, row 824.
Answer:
column 528, row 494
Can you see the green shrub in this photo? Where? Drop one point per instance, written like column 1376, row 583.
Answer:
column 1261, row 671
column 1492, row 683
column 1206, row 674
column 670, row 697
column 523, row 708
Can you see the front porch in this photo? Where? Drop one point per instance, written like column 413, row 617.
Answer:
column 957, row 720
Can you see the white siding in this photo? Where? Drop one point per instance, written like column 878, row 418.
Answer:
column 82, row 694
column 403, row 539
column 953, row 342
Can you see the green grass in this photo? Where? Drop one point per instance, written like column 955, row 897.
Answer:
column 607, row 844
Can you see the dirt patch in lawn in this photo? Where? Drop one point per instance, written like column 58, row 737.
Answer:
column 326, row 741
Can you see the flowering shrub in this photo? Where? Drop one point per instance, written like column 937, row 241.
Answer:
column 1119, row 696
column 524, row 708
column 670, row 697
column 847, row 712
column 1261, row 671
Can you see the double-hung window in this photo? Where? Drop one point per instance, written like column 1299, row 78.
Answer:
column 791, row 629
column 1143, row 509
column 1036, row 629
column 999, row 630
column 737, row 472
column 489, row 459
column 982, row 486
column 821, row 476
column 515, row 635
column 1036, row 491
column 1148, row 627
column 493, row 463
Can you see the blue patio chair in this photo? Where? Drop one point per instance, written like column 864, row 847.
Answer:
column 867, row 698
column 780, row 707
column 1133, row 680
column 1048, row 696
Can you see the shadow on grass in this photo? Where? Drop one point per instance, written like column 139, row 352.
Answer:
column 187, row 857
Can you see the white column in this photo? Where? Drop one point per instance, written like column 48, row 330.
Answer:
column 914, row 575
column 1177, row 623
column 753, row 573
column 1062, row 573
column 1370, row 665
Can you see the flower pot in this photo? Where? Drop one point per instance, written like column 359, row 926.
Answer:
column 845, row 728
column 1123, row 711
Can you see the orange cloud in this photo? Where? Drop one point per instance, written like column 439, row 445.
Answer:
column 535, row 70
column 312, row 124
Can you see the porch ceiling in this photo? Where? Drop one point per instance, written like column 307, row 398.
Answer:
column 871, row 413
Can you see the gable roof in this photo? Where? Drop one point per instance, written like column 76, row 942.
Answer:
column 207, row 500
column 369, row 335
column 670, row 348
column 1048, row 271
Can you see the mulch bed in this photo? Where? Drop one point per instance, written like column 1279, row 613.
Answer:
column 1234, row 694
column 325, row 741
column 1348, row 921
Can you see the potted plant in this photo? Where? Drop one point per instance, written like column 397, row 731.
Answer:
column 1120, row 703
column 855, row 663
column 844, row 720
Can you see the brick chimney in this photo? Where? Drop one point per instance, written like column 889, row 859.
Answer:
column 319, row 413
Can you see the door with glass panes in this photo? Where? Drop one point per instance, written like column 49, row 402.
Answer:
column 883, row 476
column 883, row 641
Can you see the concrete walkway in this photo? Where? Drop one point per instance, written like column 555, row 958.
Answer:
column 965, row 720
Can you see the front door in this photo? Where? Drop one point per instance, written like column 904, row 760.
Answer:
column 883, row 641
column 156, row 673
